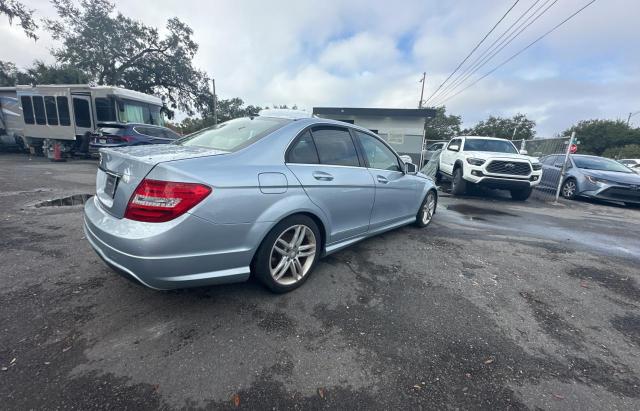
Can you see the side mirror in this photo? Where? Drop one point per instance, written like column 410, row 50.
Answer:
column 410, row 168
column 406, row 158
column 453, row 148
column 524, row 152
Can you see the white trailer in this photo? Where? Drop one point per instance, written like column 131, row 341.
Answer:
column 62, row 116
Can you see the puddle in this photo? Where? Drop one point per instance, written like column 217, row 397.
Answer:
column 474, row 212
column 72, row 200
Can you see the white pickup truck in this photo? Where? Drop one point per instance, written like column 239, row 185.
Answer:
column 489, row 162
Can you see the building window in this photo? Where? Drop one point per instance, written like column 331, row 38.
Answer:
column 52, row 112
column 27, row 109
column 63, row 111
column 105, row 109
column 38, row 108
column 82, row 113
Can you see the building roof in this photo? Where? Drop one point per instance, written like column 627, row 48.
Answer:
column 375, row 112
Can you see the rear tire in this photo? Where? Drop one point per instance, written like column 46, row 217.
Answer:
column 569, row 189
column 288, row 254
column 521, row 194
column 458, row 184
column 427, row 209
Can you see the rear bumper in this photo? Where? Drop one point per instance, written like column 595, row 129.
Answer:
column 185, row 252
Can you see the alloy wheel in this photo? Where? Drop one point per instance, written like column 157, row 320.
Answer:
column 292, row 254
column 428, row 209
column 569, row 189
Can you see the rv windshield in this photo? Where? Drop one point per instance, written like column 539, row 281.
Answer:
column 130, row 111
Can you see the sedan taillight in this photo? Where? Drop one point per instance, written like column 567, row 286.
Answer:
column 157, row 201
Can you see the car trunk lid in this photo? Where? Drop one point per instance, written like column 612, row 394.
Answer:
column 122, row 169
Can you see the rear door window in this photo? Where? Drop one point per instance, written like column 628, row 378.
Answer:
column 63, row 111
column 335, row 146
column 27, row 109
column 52, row 112
column 38, row 108
column 303, row 151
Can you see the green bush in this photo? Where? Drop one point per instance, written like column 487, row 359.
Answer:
column 627, row 151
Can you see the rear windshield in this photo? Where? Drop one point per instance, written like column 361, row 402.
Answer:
column 233, row 135
column 493, row 146
column 599, row 163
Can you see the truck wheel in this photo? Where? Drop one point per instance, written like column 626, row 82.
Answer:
column 521, row 194
column 458, row 184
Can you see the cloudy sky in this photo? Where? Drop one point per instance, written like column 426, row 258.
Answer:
column 372, row 53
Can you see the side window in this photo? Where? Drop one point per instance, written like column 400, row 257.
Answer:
column 52, row 112
column 303, row 151
column 38, row 108
column 335, row 146
column 27, row 109
column 104, row 109
column 63, row 111
column 378, row 155
column 454, row 142
column 82, row 112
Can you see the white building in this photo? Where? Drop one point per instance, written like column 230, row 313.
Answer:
column 402, row 128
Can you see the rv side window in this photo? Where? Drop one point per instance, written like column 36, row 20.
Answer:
column 81, row 112
column 52, row 113
column 63, row 111
column 104, row 109
column 27, row 109
column 38, row 108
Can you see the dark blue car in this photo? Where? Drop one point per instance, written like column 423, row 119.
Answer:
column 130, row 134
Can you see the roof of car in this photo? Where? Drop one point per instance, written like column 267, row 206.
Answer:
column 485, row 138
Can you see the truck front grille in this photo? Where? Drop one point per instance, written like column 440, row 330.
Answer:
column 515, row 168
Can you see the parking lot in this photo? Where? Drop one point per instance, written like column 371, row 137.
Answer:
column 497, row 304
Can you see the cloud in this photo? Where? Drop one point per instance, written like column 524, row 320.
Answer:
column 372, row 53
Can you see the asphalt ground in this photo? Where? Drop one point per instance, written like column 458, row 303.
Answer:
column 495, row 305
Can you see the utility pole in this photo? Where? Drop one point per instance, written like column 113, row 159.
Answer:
column 215, row 103
column 424, row 77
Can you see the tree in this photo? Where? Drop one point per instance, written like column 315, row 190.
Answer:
column 116, row 50
column 442, row 126
column 503, row 128
column 626, row 151
column 596, row 136
column 40, row 73
column 13, row 9
column 226, row 110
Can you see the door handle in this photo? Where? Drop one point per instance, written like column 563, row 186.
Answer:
column 322, row 176
column 382, row 180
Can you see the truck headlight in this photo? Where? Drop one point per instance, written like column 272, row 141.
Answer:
column 537, row 166
column 475, row 161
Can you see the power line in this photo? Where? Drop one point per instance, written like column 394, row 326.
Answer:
column 523, row 50
column 510, row 40
column 474, row 49
column 481, row 60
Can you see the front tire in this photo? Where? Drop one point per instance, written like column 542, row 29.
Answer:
column 569, row 189
column 288, row 254
column 427, row 210
column 458, row 184
column 521, row 194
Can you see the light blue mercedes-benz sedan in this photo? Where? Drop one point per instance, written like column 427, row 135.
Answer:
column 265, row 195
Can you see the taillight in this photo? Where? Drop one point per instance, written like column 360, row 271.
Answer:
column 157, row 201
column 128, row 139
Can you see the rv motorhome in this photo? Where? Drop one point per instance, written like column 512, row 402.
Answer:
column 43, row 116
